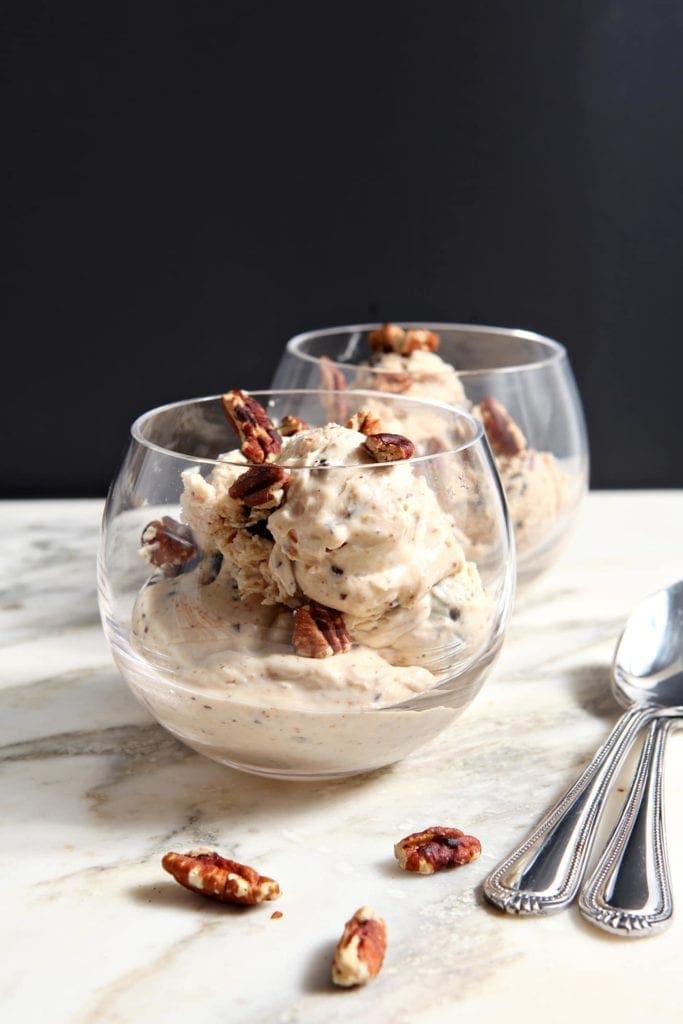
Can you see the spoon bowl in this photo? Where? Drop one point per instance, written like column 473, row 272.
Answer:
column 648, row 662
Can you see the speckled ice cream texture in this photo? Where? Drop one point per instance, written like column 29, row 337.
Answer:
column 368, row 540
column 537, row 489
column 430, row 376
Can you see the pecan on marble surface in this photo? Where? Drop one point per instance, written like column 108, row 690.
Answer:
column 208, row 873
column 360, row 951
column 436, row 848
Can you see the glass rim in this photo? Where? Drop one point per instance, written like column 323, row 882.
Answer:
column 451, row 410
column 557, row 350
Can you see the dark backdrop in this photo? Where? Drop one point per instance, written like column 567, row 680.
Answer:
column 191, row 184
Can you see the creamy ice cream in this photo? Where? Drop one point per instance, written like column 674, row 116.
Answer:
column 536, row 488
column 365, row 545
column 365, row 541
column 537, row 491
column 420, row 374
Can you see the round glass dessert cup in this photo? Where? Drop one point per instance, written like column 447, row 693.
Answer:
column 543, row 464
column 224, row 618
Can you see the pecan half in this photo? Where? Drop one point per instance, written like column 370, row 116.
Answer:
column 392, row 383
column 389, row 447
column 210, row 568
column 332, row 379
column 364, row 422
column 504, row 435
column 169, row 545
column 392, row 338
column 205, row 872
column 387, row 338
column 434, row 445
column 319, row 631
column 420, row 340
column 360, row 951
column 436, row 848
column 259, row 439
column 260, row 486
column 292, row 425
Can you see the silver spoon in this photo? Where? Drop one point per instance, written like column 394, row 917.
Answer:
column 629, row 892
column 544, row 874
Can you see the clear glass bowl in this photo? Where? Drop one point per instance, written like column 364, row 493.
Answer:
column 545, row 481
column 206, row 640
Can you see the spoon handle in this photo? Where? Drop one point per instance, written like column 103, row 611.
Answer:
column 629, row 893
column 543, row 875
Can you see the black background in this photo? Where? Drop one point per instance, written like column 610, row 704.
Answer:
column 189, row 185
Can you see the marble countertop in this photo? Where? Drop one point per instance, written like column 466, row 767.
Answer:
column 94, row 792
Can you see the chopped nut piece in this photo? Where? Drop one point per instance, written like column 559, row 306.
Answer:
column 260, row 487
column 392, row 338
column 504, row 435
column 436, row 848
column 419, row 339
column 210, row 568
column 332, row 379
column 389, row 447
column 259, row 439
column 360, row 951
column 169, row 545
column 392, row 383
column 276, row 915
column 364, row 422
column 207, row 873
column 434, row 445
column 292, row 425
column 319, row 631
column 387, row 338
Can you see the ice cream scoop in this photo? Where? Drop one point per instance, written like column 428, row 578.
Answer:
column 365, row 540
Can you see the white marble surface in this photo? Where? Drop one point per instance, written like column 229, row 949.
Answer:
column 93, row 793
